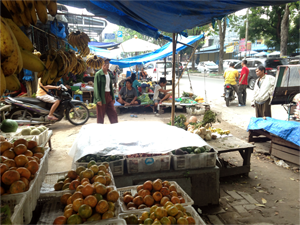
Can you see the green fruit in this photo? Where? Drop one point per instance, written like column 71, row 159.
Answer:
column 26, row 131
column 95, row 217
column 91, row 163
column 80, row 169
column 40, row 129
column 85, row 211
column 35, row 132
column 148, row 221
column 74, row 219
column 9, row 125
column 99, row 197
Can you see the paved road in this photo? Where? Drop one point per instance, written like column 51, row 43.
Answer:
column 214, row 89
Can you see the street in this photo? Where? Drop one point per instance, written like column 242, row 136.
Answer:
column 213, row 87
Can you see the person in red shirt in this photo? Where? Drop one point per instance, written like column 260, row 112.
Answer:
column 243, row 83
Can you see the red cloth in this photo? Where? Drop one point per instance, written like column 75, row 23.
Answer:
column 245, row 71
column 107, row 108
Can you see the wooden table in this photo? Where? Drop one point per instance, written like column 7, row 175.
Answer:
column 232, row 144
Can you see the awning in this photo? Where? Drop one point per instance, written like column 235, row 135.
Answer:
column 147, row 17
column 160, row 53
column 103, row 44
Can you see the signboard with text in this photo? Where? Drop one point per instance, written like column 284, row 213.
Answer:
column 109, row 36
column 242, row 46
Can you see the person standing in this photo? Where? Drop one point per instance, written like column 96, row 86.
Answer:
column 104, row 95
column 263, row 90
column 243, row 83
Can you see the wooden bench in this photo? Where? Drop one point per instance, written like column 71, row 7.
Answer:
column 232, row 144
column 131, row 106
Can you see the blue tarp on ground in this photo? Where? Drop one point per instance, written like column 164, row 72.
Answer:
column 287, row 130
column 160, row 53
column 147, row 17
column 103, row 44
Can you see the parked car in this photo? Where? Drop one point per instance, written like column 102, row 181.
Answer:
column 294, row 62
column 207, row 67
column 270, row 64
column 227, row 62
column 156, row 70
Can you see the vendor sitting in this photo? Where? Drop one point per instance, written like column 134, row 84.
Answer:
column 143, row 74
column 128, row 95
column 160, row 94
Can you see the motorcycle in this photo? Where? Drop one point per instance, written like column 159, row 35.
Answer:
column 34, row 111
column 229, row 94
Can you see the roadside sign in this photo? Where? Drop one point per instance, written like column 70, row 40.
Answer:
column 119, row 39
column 109, row 36
column 119, row 34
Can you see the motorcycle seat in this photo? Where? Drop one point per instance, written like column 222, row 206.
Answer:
column 29, row 100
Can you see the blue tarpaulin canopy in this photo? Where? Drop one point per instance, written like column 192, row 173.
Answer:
column 103, row 44
column 147, row 17
column 160, row 53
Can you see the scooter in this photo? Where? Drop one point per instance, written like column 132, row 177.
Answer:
column 229, row 94
column 34, row 111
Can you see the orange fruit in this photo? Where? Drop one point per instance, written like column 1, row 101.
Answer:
column 148, row 185
column 76, row 195
column 191, row 220
column 69, row 201
column 60, row 220
column 100, row 189
column 91, row 201
column 127, row 199
column 5, row 145
column 87, row 190
column 68, row 213
column 37, row 159
column 17, row 187
column 165, row 191
column 102, row 206
column 143, row 193
column 39, row 155
column 138, row 200
column 164, row 200
column 31, row 145
column 79, row 188
column 112, row 196
column 21, row 141
column 20, row 149
column 172, row 188
column 24, row 172
column 72, row 174
column 3, row 168
column 9, row 154
column 28, row 153
column 10, row 163
column 77, row 203
column 157, row 185
column 166, row 184
column 175, row 200
column 32, row 166
column 85, row 211
column 139, row 188
column 64, row 198
column 173, row 193
column 10, row 177
column 148, row 200
column 74, row 184
column 157, row 196
column 21, row 160
column 84, row 180
column 26, row 182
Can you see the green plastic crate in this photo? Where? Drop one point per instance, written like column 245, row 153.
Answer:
column 75, row 88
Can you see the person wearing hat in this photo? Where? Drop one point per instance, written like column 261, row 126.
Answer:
column 104, row 95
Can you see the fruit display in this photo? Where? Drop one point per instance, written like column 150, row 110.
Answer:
column 93, row 158
column 191, row 150
column 19, row 163
column 138, row 155
column 94, row 61
column 179, row 121
column 199, row 99
column 59, row 63
column 152, row 193
column 169, row 213
column 98, row 176
column 25, row 12
column 9, row 125
column 92, row 201
column 32, row 130
column 80, row 41
column 92, row 106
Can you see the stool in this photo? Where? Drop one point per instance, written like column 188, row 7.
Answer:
column 78, row 96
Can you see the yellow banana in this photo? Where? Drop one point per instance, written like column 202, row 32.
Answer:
column 22, row 39
column 37, row 53
column 52, row 73
column 41, row 11
column 6, row 40
column 45, row 77
column 20, row 59
column 30, row 5
column 52, row 54
column 12, row 83
column 31, row 62
column 20, row 7
column 10, row 65
column 52, row 8
column 2, row 82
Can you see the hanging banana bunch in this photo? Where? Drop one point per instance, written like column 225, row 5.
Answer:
column 80, row 41
column 25, row 12
column 95, row 62
column 80, row 66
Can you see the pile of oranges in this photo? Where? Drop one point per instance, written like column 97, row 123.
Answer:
column 168, row 214
column 152, row 193
column 19, row 163
column 76, row 180
column 92, row 200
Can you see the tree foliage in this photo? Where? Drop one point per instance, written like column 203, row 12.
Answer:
column 265, row 23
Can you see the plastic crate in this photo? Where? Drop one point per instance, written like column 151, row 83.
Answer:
column 51, row 179
column 16, row 205
column 189, row 209
column 53, row 208
column 116, row 167
column 27, row 137
column 132, row 189
column 33, row 193
column 194, row 161
column 148, row 164
column 40, row 139
column 75, row 88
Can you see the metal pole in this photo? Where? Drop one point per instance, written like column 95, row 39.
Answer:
column 173, row 79
column 165, row 70
column 246, row 35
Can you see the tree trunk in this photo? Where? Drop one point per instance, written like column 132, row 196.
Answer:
column 284, row 31
column 222, row 30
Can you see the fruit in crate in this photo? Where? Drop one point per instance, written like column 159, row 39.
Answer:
column 152, row 193
column 18, row 164
column 88, row 202
column 97, row 176
column 191, row 150
column 98, row 158
column 143, row 155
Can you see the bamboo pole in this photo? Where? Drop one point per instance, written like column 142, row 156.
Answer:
column 173, row 79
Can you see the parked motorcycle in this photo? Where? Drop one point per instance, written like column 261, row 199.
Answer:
column 34, row 111
column 229, row 94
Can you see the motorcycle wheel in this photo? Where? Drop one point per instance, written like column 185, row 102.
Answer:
column 78, row 115
column 227, row 102
column 17, row 114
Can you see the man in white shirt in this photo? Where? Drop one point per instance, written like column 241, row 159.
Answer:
column 160, row 94
column 263, row 91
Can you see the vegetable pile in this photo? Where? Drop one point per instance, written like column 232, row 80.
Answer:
column 179, row 121
column 99, row 158
column 190, row 150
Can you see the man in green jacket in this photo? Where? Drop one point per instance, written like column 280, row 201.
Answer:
column 104, row 95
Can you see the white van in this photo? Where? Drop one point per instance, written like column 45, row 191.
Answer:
column 156, row 70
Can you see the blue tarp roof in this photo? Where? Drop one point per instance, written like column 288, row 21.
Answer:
column 160, row 53
column 103, row 44
column 147, row 17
